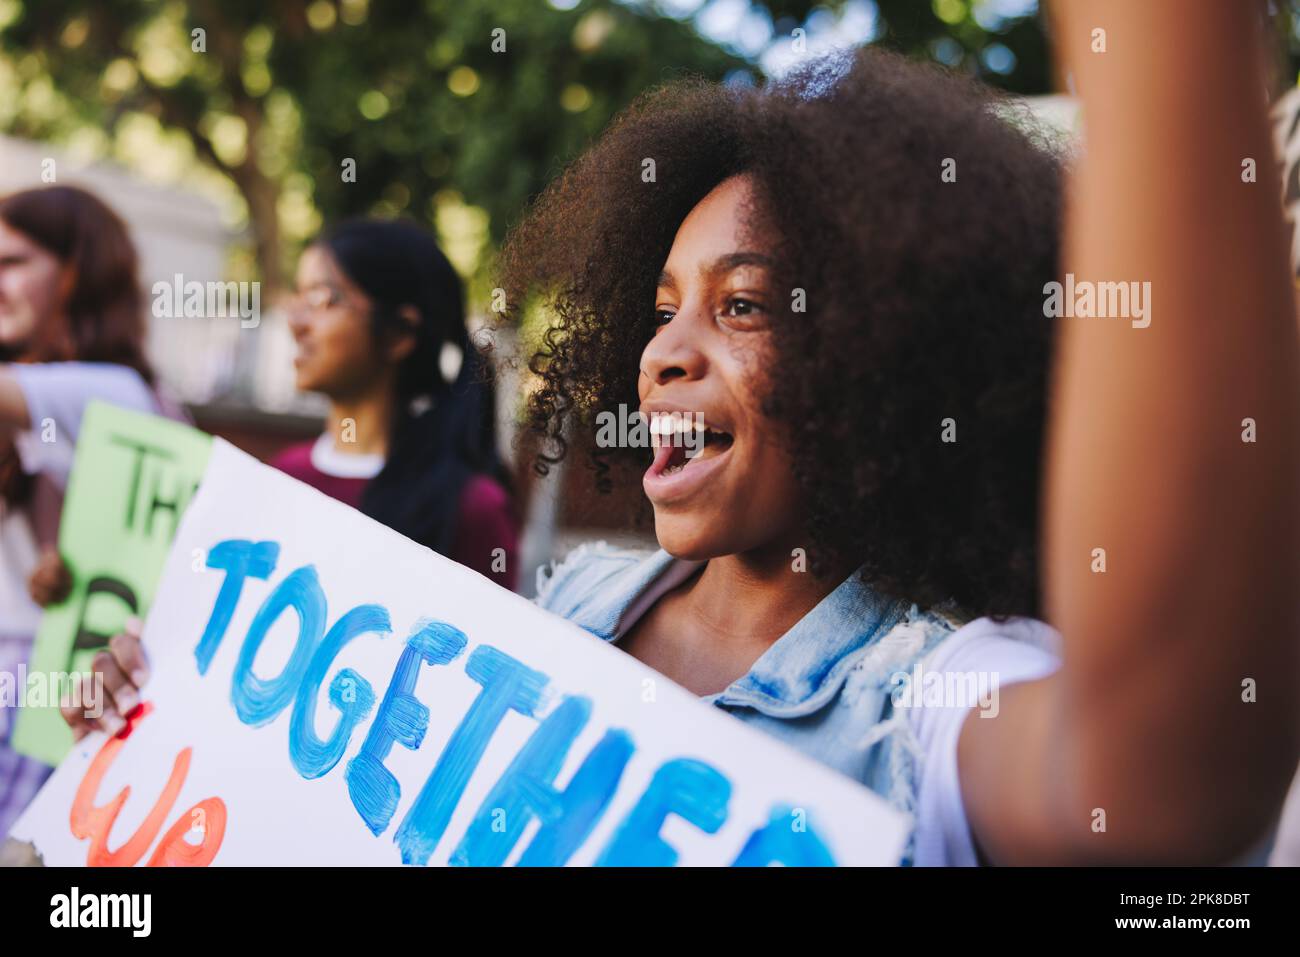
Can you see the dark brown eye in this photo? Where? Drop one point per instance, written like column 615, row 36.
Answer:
column 663, row 317
column 742, row 313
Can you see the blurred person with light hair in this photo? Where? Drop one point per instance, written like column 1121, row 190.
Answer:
column 71, row 330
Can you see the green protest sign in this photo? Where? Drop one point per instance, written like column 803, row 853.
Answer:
column 131, row 481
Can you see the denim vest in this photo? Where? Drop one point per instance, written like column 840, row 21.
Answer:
column 823, row 687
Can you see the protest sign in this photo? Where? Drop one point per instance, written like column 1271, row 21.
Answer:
column 328, row 692
column 131, row 480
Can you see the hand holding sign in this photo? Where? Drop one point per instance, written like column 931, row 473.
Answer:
column 120, row 671
column 51, row 581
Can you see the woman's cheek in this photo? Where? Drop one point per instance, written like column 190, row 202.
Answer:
column 12, row 295
column 782, row 493
column 340, row 346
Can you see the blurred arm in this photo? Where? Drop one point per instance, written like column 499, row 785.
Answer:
column 1146, row 721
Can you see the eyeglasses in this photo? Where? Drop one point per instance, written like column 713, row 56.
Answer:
column 315, row 299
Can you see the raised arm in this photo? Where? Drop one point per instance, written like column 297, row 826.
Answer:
column 1173, row 721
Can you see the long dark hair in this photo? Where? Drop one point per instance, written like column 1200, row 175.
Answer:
column 442, row 432
column 104, row 311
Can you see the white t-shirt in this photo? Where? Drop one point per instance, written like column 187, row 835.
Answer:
column 328, row 459
column 1286, row 850
column 1016, row 650
column 19, row 615
column 56, row 394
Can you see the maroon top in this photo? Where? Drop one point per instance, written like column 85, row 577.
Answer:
column 486, row 520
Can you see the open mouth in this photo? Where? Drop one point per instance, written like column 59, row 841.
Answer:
column 683, row 440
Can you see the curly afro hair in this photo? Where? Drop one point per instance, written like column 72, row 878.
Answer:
column 919, row 215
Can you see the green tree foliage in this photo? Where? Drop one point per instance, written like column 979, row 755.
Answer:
column 481, row 101
column 1010, row 52
column 489, row 99
column 412, row 92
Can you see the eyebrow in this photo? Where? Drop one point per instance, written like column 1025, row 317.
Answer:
column 725, row 264
column 721, row 266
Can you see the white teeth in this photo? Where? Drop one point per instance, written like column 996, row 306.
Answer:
column 676, row 423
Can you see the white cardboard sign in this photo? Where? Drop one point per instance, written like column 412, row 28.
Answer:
column 327, row 692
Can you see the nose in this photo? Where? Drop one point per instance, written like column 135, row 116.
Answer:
column 299, row 320
column 674, row 353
